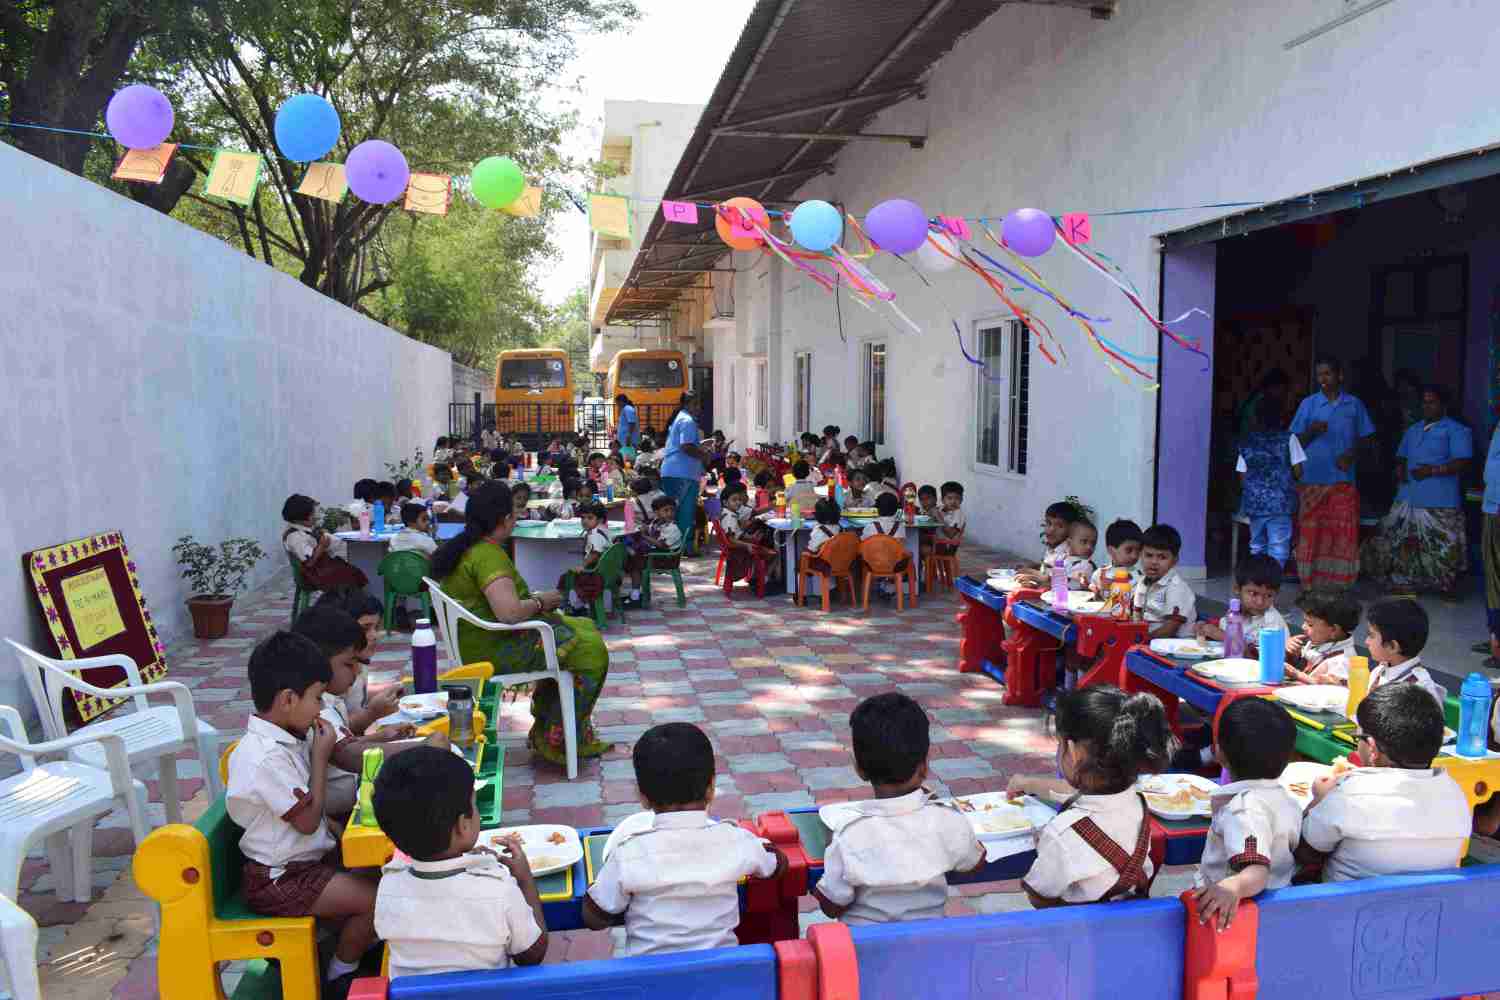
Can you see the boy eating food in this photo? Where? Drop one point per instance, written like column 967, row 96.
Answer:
column 1163, row 598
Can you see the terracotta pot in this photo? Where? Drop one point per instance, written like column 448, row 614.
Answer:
column 210, row 616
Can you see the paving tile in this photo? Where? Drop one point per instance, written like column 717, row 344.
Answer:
column 830, row 777
column 756, row 763
column 772, row 801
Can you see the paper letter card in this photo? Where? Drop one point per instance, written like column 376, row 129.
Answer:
column 680, row 211
column 89, row 596
column 146, row 165
column 325, row 181
column 528, row 206
column 233, row 176
column 609, row 215
column 428, row 193
column 1077, row 228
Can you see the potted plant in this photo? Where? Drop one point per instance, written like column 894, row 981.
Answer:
column 214, row 575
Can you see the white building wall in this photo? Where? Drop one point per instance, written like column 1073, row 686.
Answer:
column 1172, row 102
column 159, row 383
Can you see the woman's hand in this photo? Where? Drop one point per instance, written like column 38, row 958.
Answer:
column 550, row 600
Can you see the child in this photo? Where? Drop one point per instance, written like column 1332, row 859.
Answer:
column 1396, row 813
column 1256, row 823
column 1320, row 655
column 660, row 534
column 830, row 445
column 1270, row 465
column 369, row 613
column 386, row 493
column 520, row 495
column 888, row 520
column 860, row 492
column 892, row 863
column 744, row 536
column 414, row 535
column 1163, row 597
column 276, row 789
column 927, row 500
column 1096, row 849
column 801, row 492
column 1257, row 581
column 1122, row 540
column 579, row 494
column 1083, row 538
column 449, row 910
column 889, row 480
column 472, row 482
column 674, row 886
column 952, row 518
column 852, row 450
column 827, row 528
column 1057, row 527
column 613, row 473
column 1395, row 634
column 316, row 551
column 441, row 452
column 645, row 496
column 596, row 542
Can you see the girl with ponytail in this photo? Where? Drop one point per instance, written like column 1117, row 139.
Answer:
column 1096, row 849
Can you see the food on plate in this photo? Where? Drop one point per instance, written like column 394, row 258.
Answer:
column 557, row 838
column 1341, row 765
column 541, row 861
column 1178, row 801
column 1004, row 823
column 1300, row 787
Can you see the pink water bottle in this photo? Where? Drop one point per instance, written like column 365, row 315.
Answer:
column 1059, row 584
column 629, row 516
column 364, row 523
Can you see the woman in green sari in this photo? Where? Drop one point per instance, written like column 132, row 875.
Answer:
column 476, row 572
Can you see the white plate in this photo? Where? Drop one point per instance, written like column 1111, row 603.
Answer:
column 1238, row 670
column 1315, row 697
column 1000, row 571
column 1159, row 787
column 1302, row 773
column 627, row 827
column 994, row 816
column 424, row 706
column 1187, row 649
column 543, row 853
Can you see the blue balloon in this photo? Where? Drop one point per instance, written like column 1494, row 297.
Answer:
column 817, row 225
column 307, row 127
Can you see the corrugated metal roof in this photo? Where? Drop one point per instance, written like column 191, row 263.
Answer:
column 807, row 57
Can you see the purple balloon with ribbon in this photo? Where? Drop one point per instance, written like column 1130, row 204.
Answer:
column 897, row 226
column 139, row 117
column 1028, row 231
column 376, row 172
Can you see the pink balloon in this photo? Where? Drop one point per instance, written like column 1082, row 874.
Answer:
column 139, row 117
column 1028, row 231
column 897, row 226
column 376, row 171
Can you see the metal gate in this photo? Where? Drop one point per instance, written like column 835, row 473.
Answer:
column 536, row 424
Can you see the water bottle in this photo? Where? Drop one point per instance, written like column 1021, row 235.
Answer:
column 370, row 763
column 460, row 715
column 1474, row 716
column 629, row 517
column 1272, row 646
column 423, row 658
column 838, row 494
column 609, row 491
column 377, row 516
column 1059, row 584
column 364, row 523
column 1234, row 632
column 794, row 510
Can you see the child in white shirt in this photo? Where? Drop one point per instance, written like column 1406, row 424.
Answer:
column 952, row 518
column 658, row 535
column 827, row 528
column 645, row 498
column 674, row 885
column 1057, row 526
column 520, row 496
column 1083, row 538
column 887, row 521
column 1122, row 540
column 1096, row 850
column 596, row 542
column 1163, row 598
column 451, row 907
column 802, row 492
column 1257, row 581
column 1396, row 633
column 1396, row 814
column 579, row 494
column 1256, row 823
column 414, row 535
column 745, row 537
column 892, row 862
column 1320, row 654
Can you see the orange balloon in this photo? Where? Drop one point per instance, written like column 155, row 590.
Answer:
column 740, row 236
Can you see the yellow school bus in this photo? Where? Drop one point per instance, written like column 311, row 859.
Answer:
column 653, row 379
column 533, row 394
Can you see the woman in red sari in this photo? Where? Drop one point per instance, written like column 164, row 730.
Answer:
column 1330, row 425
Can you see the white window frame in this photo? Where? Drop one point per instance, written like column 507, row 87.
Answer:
column 802, row 392
column 867, row 407
column 762, row 385
column 729, row 396
column 1014, row 370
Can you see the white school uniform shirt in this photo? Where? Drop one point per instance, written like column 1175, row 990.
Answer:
column 270, row 778
column 1254, row 823
column 820, row 536
column 597, row 540
column 562, row 508
column 1408, row 672
column 1053, row 554
column 1066, row 867
column 891, row 863
column 803, row 495
column 459, row 503
column 412, row 540
column 340, row 787
column 299, row 541
column 1079, row 570
column 451, row 916
column 894, row 526
column 1331, row 656
column 733, row 523
column 1168, row 596
column 676, row 882
column 1104, row 574
column 1388, row 821
column 667, row 533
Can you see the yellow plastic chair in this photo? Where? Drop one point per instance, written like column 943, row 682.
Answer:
column 224, row 761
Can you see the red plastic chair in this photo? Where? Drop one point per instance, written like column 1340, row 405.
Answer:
column 758, row 568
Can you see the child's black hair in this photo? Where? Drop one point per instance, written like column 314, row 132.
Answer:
column 1257, row 737
column 1334, row 607
column 1400, row 620
column 733, row 477
column 521, row 487
column 663, row 501
column 411, row 513
column 1405, row 721
column 762, row 479
column 285, row 661
column 1124, row 735
column 385, row 491
column 801, row 469
column 886, row 504
column 887, row 469
column 441, row 442
column 929, row 491
column 298, row 508
column 1261, row 570
column 733, row 454
column 952, row 487
column 364, row 489
column 356, row 602
column 593, row 455
column 826, row 511
column 1162, row 536
column 595, row 509
column 889, row 733
column 1063, row 511
column 1087, row 524
column 640, row 486
column 420, row 795
column 1120, row 532
column 674, row 765
column 851, row 442
column 860, row 471
column 832, row 430
column 332, row 629
column 734, row 489
column 403, row 488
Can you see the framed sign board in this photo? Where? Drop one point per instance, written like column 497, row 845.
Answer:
column 89, row 596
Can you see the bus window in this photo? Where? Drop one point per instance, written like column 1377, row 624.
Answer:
column 532, row 373
column 650, row 373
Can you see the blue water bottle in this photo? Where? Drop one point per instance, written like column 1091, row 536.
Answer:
column 1474, row 716
column 609, row 491
column 377, row 516
column 1272, row 645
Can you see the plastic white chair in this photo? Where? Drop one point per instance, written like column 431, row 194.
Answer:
column 18, row 947
column 151, row 733
column 59, row 801
column 449, row 613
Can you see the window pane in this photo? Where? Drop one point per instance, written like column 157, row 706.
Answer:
column 987, row 406
column 762, row 393
column 531, row 373
column 875, row 392
column 650, row 373
column 1020, row 396
column 803, row 405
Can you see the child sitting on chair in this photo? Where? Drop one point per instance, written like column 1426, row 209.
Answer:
column 1320, row 654
column 1163, row 598
column 582, row 584
column 452, row 908
column 660, row 534
column 1083, row 538
column 1396, row 633
column 318, row 553
column 1057, row 527
column 414, row 535
column 578, row 493
column 674, row 885
column 892, row 862
column 1257, row 581
column 1122, row 540
column 802, row 492
column 745, row 537
column 888, row 520
column 827, row 529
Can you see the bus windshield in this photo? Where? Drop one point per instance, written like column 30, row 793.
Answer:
column 531, row 373
column 650, row 373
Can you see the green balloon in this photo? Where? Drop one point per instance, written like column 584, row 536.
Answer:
column 497, row 181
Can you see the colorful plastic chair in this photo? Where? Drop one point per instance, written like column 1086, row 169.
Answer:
column 669, row 564
column 758, row 567
column 942, row 569
column 611, row 568
column 403, row 573
column 885, row 558
column 840, row 554
column 302, row 594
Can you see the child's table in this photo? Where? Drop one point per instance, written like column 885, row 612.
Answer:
column 1170, row 680
column 794, row 543
column 982, row 619
column 545, row 551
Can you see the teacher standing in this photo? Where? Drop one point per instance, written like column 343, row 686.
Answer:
column 682, row 468
column 628, row 429
column 1330, row 424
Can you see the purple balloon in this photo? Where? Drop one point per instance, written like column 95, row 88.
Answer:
column 1028, row 231
column 139, row 117
column 376, row 172
column 897, row 226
